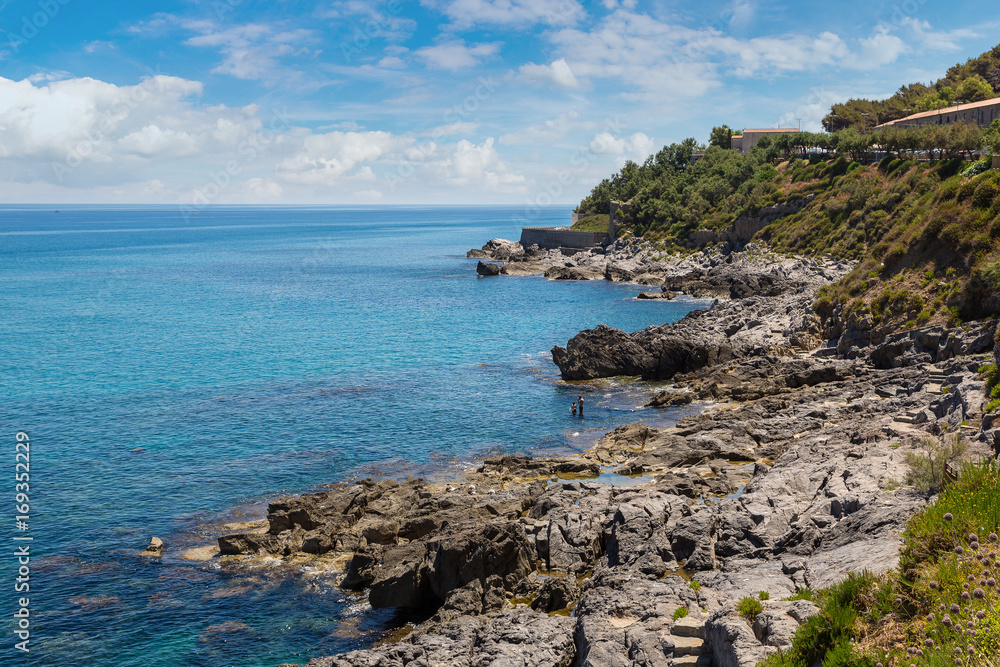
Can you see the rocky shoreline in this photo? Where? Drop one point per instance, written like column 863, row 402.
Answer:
column 792, row 478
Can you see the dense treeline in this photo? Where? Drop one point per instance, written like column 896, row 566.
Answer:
column 975, row 80
column 671, row 196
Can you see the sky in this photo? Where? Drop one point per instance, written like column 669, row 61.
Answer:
column 517, row 102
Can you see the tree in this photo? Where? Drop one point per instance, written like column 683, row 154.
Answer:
column 974, row 89
column 721, row 137
column 991, row 137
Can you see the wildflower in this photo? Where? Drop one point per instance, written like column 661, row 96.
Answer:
column 974, row 546
column 971, row 578
column 979, row 593
column 955, row 608
column 946, row 621
column 930, row 618
column 959, row 550
column 933, row 585
column 973, row 537
column 957, row 651
column 928, row 642
column 980, row 614
column 993, row 537
column 948, row 517
column 991, row 582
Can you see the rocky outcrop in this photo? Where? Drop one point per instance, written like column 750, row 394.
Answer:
column 487, row 270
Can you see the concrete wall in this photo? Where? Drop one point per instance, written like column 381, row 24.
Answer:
column 559, row 237
column 620, row 217
column 750, row 138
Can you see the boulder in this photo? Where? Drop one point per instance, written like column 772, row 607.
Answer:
column 421, row 574
column 487, row 270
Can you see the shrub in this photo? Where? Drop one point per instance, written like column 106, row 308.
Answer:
column 801, row 594
column 695, row 585
column 764, row 595
column 680, row 613
column 927, row 471
column 749, row 608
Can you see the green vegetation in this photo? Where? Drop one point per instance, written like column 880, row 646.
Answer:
column 592, row 223
column 695, row 585
column 680, row 613
column 928, row 471
column 764, row 595
column 941, row 605
column 749, row 608
column 801, row 594
column 926, row 234
column 977, row 79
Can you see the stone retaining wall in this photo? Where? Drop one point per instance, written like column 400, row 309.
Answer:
column 559, row 237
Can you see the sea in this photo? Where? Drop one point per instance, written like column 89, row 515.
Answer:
column 173, row 370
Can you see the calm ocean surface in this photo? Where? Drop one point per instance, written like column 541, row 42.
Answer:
column 174, row 374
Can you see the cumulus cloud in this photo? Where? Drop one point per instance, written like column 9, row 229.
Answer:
column 456, row 55
column 636, row 147
column 325, row 158
column 558, row 73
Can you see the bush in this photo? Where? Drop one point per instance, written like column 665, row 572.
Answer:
column 927, row 471
column 764, row 595
column 749, row 608
column 801, row 594
column 680, row 613
column 695, row 585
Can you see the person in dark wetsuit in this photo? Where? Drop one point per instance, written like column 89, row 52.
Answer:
column 573, row 408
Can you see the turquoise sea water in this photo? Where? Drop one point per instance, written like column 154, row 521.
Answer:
column 171, row 370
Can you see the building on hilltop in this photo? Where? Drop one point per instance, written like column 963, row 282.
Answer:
column 743, row 143
column 974, row 113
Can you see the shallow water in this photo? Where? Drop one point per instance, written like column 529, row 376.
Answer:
column 176, row 373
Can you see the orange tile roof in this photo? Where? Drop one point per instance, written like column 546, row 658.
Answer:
column 771, row 129
column 958, row 108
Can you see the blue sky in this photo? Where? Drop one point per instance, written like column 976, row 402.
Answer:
column 424, row 101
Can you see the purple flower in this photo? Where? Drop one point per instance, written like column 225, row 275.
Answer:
column 959, row 550
column 955, row 608
column 974, row 546
column 980, row 614
column 930, row 617
column 948, row 517
column 973, row 537
column 933, row 585
column 991, row 582
column 946, row 621
column 979, row 593
column 993, row 537
column 928, row 642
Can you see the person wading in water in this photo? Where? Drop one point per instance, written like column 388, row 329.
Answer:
column 579, row 399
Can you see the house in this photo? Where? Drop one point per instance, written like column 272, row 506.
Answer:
column 974, row 113
column 743, row 143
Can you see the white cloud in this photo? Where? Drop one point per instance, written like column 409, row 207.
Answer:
column 98, row 45
column 326, row 158
column 926, row 37
column 154, row 141
column 456, row 55
column 636, row 147
column 511, row 13
column 559, row 73
column 544, row 133
column 249, row 51
column 452, row 129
